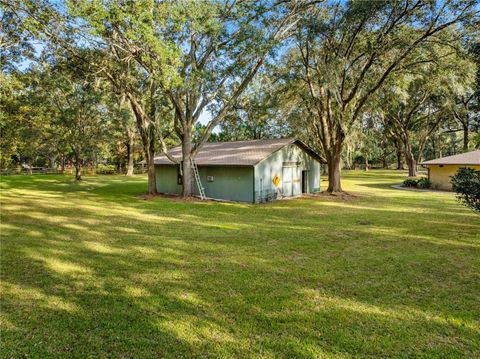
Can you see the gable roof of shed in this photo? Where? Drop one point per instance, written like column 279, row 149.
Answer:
column 468, row 158
column 236, row 153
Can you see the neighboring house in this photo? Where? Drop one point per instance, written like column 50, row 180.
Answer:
column 441, row 169
column 246, row 171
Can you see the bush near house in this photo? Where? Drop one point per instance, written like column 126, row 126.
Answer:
column 466, row 182
column 410, row 182
column 421, row 182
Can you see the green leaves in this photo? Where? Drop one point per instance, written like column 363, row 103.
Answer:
column 466, row 182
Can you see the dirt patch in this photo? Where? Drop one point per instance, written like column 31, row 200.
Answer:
column 364, row 223
column 172, row 197
column 344, row 196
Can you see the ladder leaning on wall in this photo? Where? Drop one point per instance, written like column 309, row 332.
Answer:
column 201, row 190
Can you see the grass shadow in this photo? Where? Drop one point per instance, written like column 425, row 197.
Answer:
column 98, row 271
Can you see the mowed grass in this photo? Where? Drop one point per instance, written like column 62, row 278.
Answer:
column 92, row 270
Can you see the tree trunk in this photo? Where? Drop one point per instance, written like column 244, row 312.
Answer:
column 412, row 168
column 384, row 154
column 465, row 137
column 78, row 171
column 334, row 170
column 52, row 160
column 366, row 163
column 130, row 151
column 147, row 134
column 412, row 171
column 150, row 159
column 63, row 163
column 187, row 180
column 434, row 147
column 78, row 167
column 400, row 154
column 152, row 186
column 420, row 151
column 77, row 163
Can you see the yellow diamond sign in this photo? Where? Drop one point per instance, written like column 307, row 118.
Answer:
column 276, row 180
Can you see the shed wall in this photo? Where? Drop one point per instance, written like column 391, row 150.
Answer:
column 166, row 179
column 229, row 183
column 266, row 170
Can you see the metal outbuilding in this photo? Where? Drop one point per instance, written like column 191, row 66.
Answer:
column 246, row 171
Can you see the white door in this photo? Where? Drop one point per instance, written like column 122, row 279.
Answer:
column 297, row 181
column 287, row 181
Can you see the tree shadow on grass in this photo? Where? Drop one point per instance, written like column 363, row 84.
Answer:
column 297, row 279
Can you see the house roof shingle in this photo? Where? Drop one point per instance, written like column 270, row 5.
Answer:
column 468, row 158
column 236, row 153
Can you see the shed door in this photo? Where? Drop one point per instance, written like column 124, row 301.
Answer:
column 287, row 181
column 297, row 181
column 305, row 181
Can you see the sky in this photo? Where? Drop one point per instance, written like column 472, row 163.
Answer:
column 205, row 117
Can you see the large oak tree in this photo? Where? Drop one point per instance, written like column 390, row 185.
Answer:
column 186, row 57
column 345, row 52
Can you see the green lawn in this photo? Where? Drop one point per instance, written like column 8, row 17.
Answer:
column 91, row 270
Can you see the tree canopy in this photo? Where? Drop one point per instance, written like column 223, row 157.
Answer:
column 372, row 82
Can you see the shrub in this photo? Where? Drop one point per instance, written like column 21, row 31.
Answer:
column 466, row 182
column 410, row 182
column 105, row 169
column 424, row 183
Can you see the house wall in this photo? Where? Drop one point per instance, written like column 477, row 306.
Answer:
column 272, row 166
column 229, row 183
column 440, row 176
